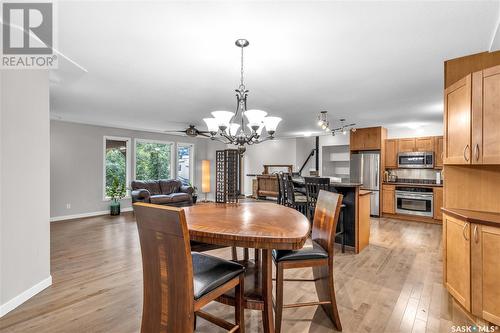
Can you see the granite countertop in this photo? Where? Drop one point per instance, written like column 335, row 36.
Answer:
column 472, row 216
column 413, row 184
column 345, row 184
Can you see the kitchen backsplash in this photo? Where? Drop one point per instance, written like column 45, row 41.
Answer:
column 428, row 174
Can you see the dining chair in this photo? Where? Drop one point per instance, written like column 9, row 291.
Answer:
column 279, row 198
column 282, row 185
column 319, row 256
column 177, row 283
column 294, row 200
column 313, row 185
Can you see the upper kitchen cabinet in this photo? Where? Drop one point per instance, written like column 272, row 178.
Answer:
column 457, row 122
column 486, row 116
column 416, row 144
column 406, row 145
column 472, row 119
column 424, row 144
column 391, row 153
column 369, row 138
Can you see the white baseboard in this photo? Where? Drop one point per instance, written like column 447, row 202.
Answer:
column 82, row 215
column 24, row 296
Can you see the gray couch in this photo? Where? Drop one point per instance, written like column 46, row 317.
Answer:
column 169, row 192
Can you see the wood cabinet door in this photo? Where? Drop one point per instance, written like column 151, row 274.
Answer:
column 491, row 115
column 356, row 140
column 486, row 272
column 406, row 145
column 438, row 202
column 457, row 122
column 424, row 144
column 438, row 152
column 391, row 153
column 457, row 258
column 372, row 138
column 388, row 203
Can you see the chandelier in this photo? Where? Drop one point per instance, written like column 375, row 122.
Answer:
column 343, row 128
column 242, row 127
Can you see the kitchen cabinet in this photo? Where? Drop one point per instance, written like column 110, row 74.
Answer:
column 471, row 261
column 438, row 152
column 388, row 199
column 472, row 119
column 391, row 153
column 416, row 144
column 485, row 270
column 457, row 122
column 486, row 117
column 367, row 138
column 438, row 202
column 457, row 271
column 424, row 144
column 406, row 145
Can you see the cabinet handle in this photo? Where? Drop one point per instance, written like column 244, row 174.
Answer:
column 463, row 231
column 466, row 148
column 476, row 151
column 476, row 239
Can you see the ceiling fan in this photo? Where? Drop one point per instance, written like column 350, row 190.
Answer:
column 191, row 131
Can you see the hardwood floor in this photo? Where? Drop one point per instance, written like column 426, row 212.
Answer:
column 394, row 285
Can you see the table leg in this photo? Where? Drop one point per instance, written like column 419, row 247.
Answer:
column 267, row 291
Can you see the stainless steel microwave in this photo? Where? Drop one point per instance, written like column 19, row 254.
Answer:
column 416, row 160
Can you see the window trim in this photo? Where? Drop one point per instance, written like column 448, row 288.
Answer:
column 127, row 164
column 172, row 160
column 191, row 160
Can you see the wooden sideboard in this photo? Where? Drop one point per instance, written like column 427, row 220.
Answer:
column 266, row 184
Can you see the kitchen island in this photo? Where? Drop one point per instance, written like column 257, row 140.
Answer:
column 356, row 213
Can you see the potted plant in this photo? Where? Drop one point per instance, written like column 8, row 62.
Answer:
column 116, row 192
column 195, row 193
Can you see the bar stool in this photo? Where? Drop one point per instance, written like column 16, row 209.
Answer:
column 178, row 283
column 340, row 231
column 293, row 199
column 313, row 185
column 319, row 257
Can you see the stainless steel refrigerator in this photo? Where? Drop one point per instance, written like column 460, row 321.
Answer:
column 365, row 169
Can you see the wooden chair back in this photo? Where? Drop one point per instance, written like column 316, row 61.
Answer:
column 168, row 304
column 326, row 216
column 279, row 199
column 314, row 185
column 290, row 189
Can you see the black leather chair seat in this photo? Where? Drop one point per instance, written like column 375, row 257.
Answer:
column 210, row 272
column 161, row 199
column 314, row 251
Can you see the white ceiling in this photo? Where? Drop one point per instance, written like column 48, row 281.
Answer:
column 159, row 65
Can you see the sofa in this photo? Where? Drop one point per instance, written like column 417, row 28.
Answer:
column 168, row 192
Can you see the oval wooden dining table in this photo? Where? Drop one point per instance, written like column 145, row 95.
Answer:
column 259, row 225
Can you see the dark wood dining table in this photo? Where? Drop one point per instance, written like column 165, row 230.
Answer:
column 258, row 225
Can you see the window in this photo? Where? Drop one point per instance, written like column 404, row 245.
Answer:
column 185, row 162
column 116, row 162
column 153, row 160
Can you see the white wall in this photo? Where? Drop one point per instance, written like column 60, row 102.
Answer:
column 24, row 186
column 77, row 165
column 304, row 147
column 431, row 129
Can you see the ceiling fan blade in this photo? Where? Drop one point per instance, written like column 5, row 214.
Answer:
column 203, row 134
column 184, row 131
